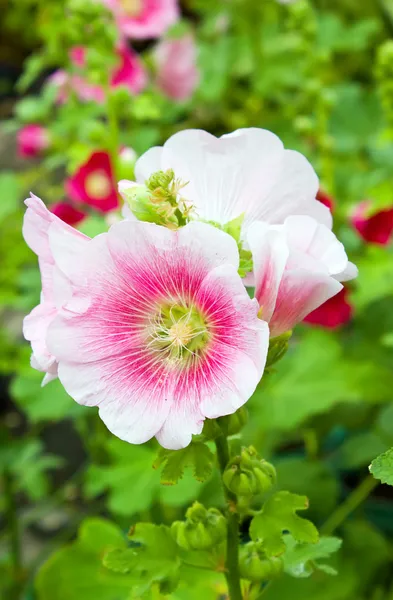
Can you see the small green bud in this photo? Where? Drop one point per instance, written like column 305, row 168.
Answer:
column 235, row 422
column 278, row 347
column 248, row 474
column 255, row 566
column 138, row 197
column 201, row 530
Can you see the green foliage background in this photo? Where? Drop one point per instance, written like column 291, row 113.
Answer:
column 319, row 74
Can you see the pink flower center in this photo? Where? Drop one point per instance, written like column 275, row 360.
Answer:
column 132, row 8
column 98, row 185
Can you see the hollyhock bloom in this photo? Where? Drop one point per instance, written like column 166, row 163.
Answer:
column 67, row 213
column 376, row 228
column 297, row 266
column 153, row 326
column 334, row 312
column 93, row 183
column 67, row 83
column 245, row 172
column 326, row 200
column 32, row 140
column 130, row 72
column 177, row 73
column 142, row 19
column 45, row 233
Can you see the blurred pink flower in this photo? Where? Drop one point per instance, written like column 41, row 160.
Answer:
column 177, row 73
column 93, row 183
column 333, row 313
column 67, row 213
column 32, row 140
column 48, row 237
column 297, row 266
column 129, row 73
column 141, row 19
column 377, row 227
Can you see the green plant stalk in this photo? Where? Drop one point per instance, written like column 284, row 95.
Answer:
column 114, row 134
column 232, row 559
column 13, row 527
column 354, row 500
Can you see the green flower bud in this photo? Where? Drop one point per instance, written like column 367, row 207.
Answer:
column 201, row 530
column 277, row 348
column 248, row 474
column 255, row 566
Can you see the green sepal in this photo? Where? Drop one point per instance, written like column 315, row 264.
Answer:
column 255, row 565
column 278, row 347
column 202, row 529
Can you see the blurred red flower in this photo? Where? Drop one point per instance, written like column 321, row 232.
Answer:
column 67, row 213
column 326, row 200
column 93, row 183
column 333, row 313
column 376, row 228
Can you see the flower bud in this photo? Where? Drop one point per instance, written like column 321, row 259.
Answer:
column 235, row 422
column 255, row 566
column 277, row 348
column 248, row 474
column 201, row 530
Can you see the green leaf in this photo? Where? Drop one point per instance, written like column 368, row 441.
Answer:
column 300, row 559
column 76, row 572
column 10, row 193
column 197, row 455
column 278, row 515
column 382, row 467
column 157, row 549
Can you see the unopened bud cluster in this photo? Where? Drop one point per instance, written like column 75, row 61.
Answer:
column 255, row 565
column 248, row 474
column 159, row 200
column 384, row 74
column 202, row 529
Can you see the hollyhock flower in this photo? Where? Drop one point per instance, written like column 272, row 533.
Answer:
column 177, row 74
column 334, row 312
column 376, row 228
column 93, row 183
column 141, row 19
column 153, row 326
column 67, row 213
column 67, row 83
column 40, row 228
column 326, row 200
column 130, row 72
column 32, row 140
column 245, row 172
column 297, row 266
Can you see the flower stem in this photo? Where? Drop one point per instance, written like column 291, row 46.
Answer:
column 232, row 559
column 358, row 496
column 114, row 134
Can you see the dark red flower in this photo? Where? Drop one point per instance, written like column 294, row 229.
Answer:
column 333, row 313
column 326, row 200
column 376, row 228
column 93, row 183
column 67, row 213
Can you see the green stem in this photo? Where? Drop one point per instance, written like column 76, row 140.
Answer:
column 232, row 559
column 354, row 500
column 114, row 134
column 13, row 527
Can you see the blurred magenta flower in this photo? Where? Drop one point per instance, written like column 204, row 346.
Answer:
column 297, row 267
column 326, row 200
column 334, row 312
column 177, row 73
column 130, row 71
column 93, row 183
column 48, row 237
column 376, row 228
column 32, row 140
column 67, row 213
column 143, row 19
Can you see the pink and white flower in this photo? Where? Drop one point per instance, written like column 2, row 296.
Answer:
column 32, row 140
column 245, row 172
column 47, row 235
column 151, row 325
column 93, row 183
column 142, row 19
column 375, row 228
column 297, row 266
column 177, row 73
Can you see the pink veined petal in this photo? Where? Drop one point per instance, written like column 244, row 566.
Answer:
column 300, row 293
column 270, row 254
